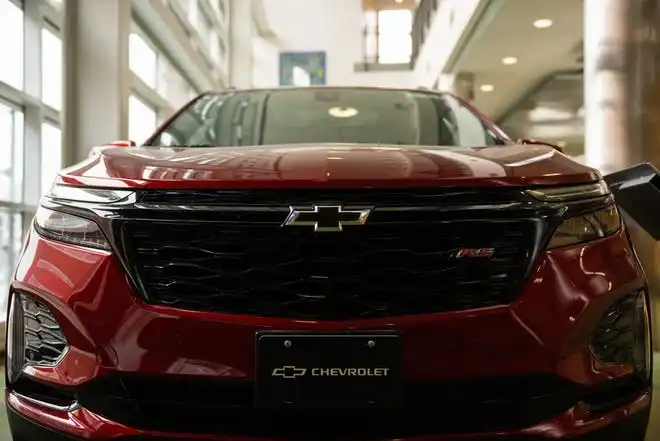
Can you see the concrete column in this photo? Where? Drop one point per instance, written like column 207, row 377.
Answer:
column 460, row 84
column 96, row 74
column 242, row 31
column 607, row 71
column 622, row 102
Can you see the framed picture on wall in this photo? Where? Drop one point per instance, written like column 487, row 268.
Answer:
column 302, row 68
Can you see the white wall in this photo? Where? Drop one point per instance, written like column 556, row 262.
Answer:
column 265, row 67
column 448, row 28
column 332, row 26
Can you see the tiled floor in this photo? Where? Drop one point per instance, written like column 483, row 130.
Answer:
column 653, row 433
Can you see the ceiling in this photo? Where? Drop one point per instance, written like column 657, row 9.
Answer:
column 507, row 29
column 552, row 112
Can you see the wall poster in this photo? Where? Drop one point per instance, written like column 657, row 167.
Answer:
column 302, row 68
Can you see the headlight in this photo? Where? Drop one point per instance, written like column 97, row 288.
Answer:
column 71, row 229
column 586, row 227
column 571, row 193
column 88, row 195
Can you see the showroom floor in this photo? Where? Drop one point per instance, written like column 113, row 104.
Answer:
column 653, row 434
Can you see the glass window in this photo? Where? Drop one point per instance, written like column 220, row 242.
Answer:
column 219, row 7
column 57, row 4
column 395, row 41
column 143, row 60
column 205, row 29
column 216, row 53
column 371, row 21
column 11, row 242
column 172, row 85
column 51, row 59
column 51, row 154
column 11, row 33
column 142, row 119
column 11, row 154
column 333, row 115
column 192, row 9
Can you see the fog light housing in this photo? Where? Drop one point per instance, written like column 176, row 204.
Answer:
column 623, row 335
column 34, row 336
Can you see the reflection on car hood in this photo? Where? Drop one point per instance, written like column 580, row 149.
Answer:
column 327, row 165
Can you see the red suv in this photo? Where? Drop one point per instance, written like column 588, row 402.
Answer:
column 328, row 263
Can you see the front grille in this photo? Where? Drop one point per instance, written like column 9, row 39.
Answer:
column 391, row 198
column 203, row 405
column 399, row 263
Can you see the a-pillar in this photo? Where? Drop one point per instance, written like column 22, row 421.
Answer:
column 622, row 102
column 460, row 84
column 96, row 74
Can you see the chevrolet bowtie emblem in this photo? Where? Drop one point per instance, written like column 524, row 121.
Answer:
column 289, row 372
column 331, row 218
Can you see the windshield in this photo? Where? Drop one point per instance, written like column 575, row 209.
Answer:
column 326, row 115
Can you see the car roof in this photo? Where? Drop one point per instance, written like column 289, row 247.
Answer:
column 322, row 87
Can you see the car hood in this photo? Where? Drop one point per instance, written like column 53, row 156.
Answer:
column 327, row 165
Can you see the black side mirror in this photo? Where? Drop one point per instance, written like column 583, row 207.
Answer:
column 637, row 192
column 527, row 141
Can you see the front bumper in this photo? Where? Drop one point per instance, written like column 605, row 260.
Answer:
column 546, row 331
column 29, row 422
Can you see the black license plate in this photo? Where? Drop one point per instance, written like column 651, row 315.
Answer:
column 329, row 371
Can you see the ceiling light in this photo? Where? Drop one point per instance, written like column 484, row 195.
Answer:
column 543, row 23
column 487, row 88
column 343, row 112
column 509, row 61
column 398, row 1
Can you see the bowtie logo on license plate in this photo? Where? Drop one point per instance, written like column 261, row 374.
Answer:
column 289, row 372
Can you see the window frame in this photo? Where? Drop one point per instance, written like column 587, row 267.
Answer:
column 374, row 31
column 47, row 25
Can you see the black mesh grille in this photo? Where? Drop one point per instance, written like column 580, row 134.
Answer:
column 613, row 339
column 197, row 405
column 45, row 342
column 397, row 264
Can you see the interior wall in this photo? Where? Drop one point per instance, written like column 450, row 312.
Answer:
column 332, row 26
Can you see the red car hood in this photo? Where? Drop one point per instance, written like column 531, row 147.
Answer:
column 327, row 165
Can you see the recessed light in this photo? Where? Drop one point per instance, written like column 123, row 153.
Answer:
column 543, row 23
column 343, row 112
column 487, row 88
column 509, row 61
column 398, row 1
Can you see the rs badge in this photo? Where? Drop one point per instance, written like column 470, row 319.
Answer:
column 484, row 253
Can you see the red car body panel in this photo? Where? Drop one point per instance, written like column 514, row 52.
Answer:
column 110, row 330
column 327, row 166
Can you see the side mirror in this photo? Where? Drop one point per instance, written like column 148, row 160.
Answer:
column 121, row 144
column 526, row 141
column 637, row 191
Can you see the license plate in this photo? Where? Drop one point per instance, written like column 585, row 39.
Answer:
column 328, row 371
